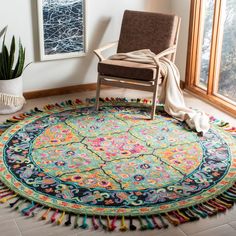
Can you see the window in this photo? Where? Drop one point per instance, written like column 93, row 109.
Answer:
column 211, row 68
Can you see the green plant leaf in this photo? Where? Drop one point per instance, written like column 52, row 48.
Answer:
column 1, row 69
column 12, row 55
column 3, row 42
column 7, row 59
column 3, row 64
column 6, row 62
column 20, row 62
column 3, row 31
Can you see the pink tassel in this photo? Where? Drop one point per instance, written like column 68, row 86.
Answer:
column 53, row 218
column 95, row 225
column 113, row 223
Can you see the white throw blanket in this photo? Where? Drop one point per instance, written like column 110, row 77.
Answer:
column 171, row 94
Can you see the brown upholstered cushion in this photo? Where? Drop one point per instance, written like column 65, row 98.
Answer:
column 145, row 30
column 126, row 69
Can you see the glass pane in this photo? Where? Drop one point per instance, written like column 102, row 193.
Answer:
column 227, row 82
column 209, row 6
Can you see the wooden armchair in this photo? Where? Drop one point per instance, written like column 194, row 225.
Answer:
column 139, row 30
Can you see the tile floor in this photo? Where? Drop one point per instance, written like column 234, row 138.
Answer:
column 13, row 224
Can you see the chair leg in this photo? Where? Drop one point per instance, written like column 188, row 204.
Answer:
column 154, row 100
column 98, row 93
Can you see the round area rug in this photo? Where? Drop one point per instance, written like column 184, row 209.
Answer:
column 117, row 162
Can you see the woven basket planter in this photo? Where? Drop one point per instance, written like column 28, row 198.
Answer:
column 11, row 96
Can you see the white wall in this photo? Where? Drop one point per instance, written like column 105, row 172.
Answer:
column 182, row 9
column 163, row 6
column 103, row 24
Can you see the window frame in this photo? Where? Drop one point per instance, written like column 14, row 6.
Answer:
column 194, row 57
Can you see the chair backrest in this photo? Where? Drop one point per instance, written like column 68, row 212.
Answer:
column 146, row 30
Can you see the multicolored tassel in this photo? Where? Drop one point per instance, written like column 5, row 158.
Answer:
column 54, row 215
column 4, row 190
column 172, row 219
column 164, row 224
column 23, row 211
column 183, row 216
column 20, row 204
column 156, row 225
column 113, row 223
column 76, row 223
column 206, row 210
column 132, row 227
column 216, row 206
column 30, row 212
column 12, row 204
column 149, row 223
column 84, row 224
column 6, row 199
column 94, row 223
column 27, row 212
column 102, row 224
column 232, row 192
column 199, row 212
column 45, row 215
column 7, row 194
column 109, row 225
column 230, row 195
column 68, row 222
column 191, row 215
column 142, row 225
column 61, row 218
column 226, row 199
column 123, row 226
column 36, row 212
column 179, row 217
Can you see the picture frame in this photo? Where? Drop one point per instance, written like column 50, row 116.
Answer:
column 62, row 29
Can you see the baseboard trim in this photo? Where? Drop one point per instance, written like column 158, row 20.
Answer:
column 70, row 89
column 62, row 90
column 182, row 84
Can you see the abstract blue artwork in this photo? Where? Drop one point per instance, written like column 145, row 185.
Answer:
column 62, row 28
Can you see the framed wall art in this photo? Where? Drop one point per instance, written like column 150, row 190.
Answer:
column 62, row 28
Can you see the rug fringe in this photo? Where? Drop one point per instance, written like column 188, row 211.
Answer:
column 71, row 104
column 149, row 222
column 132, row 227
column 76, row 224
column 68, row 222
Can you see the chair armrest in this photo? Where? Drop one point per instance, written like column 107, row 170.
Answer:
column 99, row 51
column 164, row 53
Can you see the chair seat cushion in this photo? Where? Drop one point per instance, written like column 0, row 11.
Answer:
column 126, row 69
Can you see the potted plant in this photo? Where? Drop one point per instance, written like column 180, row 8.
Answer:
column 11, row 68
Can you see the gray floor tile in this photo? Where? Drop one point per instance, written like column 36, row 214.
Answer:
column 204, row 224
column 224, row 230
column 233, row 224
column 9, row 228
